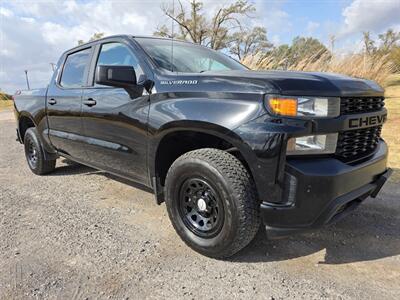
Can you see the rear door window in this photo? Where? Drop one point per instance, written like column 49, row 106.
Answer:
column 73, row 75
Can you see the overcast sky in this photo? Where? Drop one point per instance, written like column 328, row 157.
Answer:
column 34, row 33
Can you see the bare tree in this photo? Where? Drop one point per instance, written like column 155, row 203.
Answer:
column 244, row 43
column 193, row 25
column 95, row 36
column 389, row 39
column 369, row 43
column 390, row 46
column 332, row 40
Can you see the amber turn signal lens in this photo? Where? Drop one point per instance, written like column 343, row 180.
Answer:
column 283, row 106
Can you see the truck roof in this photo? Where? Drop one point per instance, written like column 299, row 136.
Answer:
column 122, row 36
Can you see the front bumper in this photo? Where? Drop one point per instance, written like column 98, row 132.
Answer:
column 323, row 190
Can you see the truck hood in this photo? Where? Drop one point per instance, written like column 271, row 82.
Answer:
column 284, row 82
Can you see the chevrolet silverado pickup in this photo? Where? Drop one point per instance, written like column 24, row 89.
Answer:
column 226, row 148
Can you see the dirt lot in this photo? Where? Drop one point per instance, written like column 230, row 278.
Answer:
column 79, row 233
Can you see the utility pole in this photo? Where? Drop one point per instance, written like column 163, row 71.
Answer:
column 52, row 66
column 27, row 80
column 332, row 39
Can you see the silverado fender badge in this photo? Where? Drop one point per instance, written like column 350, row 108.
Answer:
column 367, row 121
column 178, row 82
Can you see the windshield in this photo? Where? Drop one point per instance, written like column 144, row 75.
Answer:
column 187, row 57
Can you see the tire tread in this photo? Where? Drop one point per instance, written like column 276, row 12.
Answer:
column 44, row 166
column 241, row 183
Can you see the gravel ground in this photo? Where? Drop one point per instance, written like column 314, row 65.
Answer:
column 80, row 233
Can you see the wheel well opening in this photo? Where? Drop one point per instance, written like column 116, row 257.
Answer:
column 24, row 124
column 176, row 144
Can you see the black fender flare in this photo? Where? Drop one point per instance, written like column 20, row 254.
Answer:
column 218, row 131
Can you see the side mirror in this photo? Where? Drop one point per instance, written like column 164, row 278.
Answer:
column 118, row 76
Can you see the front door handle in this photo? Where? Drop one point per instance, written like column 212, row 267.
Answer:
column 90, row 102
column 52, row 101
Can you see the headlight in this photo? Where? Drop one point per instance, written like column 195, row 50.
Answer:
column 312, row 144
column 304, row 106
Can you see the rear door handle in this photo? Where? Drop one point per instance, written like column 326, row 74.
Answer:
column 52, row 101
column 90, row 102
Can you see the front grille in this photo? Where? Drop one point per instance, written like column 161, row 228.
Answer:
column 359, row 105
column 355, row 144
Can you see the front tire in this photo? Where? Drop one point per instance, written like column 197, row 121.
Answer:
column 211, row 201
column 35, row 154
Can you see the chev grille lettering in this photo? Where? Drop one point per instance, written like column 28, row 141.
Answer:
column 367, row 121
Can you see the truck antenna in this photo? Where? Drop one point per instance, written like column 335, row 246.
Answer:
column 27, row 80
column 172, row 37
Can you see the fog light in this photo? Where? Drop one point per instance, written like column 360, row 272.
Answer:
column 312, row 144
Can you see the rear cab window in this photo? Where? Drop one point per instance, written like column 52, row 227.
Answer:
column 75, row 66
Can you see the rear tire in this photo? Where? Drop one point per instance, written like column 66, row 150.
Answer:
column 35, row 154
column 211, row 201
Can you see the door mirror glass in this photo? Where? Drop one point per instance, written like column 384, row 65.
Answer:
column 117, row 76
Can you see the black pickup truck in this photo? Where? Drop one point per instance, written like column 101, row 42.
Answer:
column 226, row 148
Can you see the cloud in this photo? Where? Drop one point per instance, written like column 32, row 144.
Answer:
column 366, row 15
column 23, row 48
column 276, row 40
column 33, row 36
column 5, row 12
column 272, row 16
column 312, row 27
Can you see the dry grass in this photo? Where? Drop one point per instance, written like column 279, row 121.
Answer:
column 378, row 68
column 5, row 101
column 4, row 104
column 391, row 129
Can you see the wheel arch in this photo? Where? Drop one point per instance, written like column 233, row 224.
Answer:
column 25, row 121
column 177, row 138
